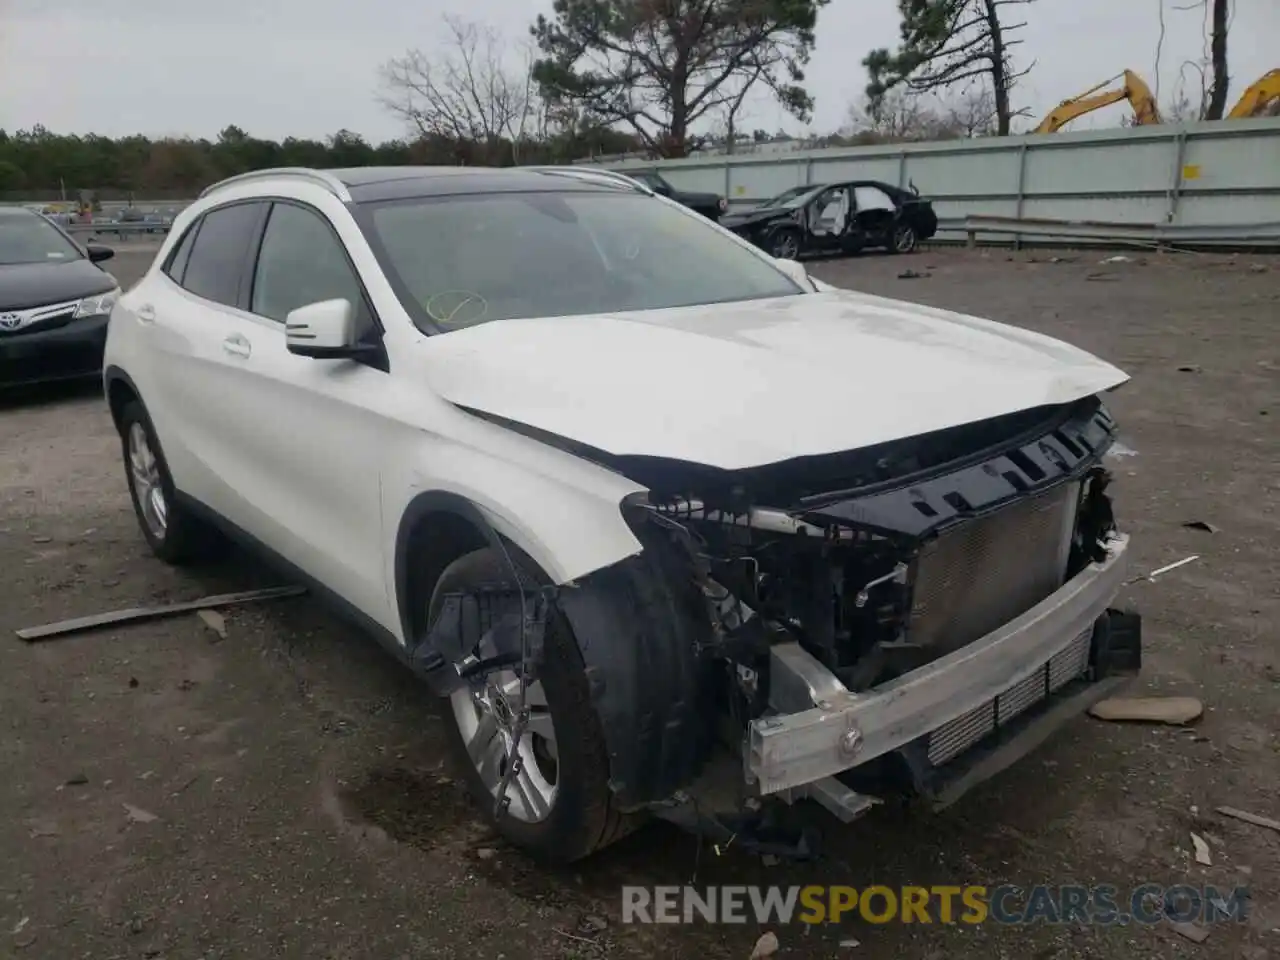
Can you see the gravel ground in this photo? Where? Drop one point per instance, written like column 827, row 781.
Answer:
column 280, row 792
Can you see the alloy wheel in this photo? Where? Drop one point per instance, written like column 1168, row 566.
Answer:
column 486, row 714
column 144, row 475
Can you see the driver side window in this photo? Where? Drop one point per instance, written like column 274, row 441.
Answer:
column 302, row 261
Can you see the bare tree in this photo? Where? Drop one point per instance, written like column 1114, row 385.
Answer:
column 970, row 114
column 472, row 92
column 898, row 115
column 903, row 115
column 949, row 43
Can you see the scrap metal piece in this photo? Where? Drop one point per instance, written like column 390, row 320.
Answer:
column 845, row 804
column 142, row 614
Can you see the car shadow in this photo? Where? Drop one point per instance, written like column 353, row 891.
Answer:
column 29, row 396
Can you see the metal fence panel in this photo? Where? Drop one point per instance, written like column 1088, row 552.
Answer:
column 1221, row 173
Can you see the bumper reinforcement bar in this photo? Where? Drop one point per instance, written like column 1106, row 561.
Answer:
column 820, row 728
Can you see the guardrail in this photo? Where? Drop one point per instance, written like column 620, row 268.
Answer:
column 1139, row 234
column 121, row 230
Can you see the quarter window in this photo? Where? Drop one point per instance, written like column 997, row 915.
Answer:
column 301, row 261
column 219, row 253
column 177, row 264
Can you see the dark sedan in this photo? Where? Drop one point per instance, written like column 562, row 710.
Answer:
column 841, row 217
column 54, row 301
column 710, row 205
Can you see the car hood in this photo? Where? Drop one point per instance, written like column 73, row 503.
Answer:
column 24, row 285
column 702, row 199
column 756, row 215
column 745, row 384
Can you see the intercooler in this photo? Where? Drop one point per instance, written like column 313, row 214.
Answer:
column 980, row 575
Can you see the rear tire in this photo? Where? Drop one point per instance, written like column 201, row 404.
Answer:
column 579, row 816
column 174, row 534
column 903, row 239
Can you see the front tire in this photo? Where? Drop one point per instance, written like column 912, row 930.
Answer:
column 561, row 808
column 173, row 533
column 785, row 245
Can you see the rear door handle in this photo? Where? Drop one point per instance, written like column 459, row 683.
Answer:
column 146, row 313
column 237, row 346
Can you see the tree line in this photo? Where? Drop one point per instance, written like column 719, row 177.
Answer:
column 660, row 78
column 40, row 165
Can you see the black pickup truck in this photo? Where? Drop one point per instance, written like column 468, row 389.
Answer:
column 710, row 205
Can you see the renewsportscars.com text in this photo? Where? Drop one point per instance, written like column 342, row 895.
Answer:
column 973, row 904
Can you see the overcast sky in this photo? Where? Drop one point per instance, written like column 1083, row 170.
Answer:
column 307, row 68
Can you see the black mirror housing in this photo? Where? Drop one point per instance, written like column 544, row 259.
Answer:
column 98, row 253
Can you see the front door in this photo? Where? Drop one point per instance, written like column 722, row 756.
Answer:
column 311, row 434
column 828, row 219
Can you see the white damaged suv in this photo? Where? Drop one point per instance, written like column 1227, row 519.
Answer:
column 669, row 526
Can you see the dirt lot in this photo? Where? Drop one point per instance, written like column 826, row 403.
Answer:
column 294, row 774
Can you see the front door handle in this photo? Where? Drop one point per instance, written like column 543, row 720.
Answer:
column 237, row 346
column 146, row 313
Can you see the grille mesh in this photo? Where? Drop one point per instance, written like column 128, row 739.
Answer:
column 953, row 738
column 986, row 571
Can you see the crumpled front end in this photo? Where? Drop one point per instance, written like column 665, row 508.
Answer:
column 920, row 614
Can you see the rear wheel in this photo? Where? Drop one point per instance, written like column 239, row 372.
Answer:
column 172, row 532
column 903, row 239
column 560, row 805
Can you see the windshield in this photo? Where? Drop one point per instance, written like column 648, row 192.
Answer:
column 29, row 238
column 790, row 198
column 462, row 260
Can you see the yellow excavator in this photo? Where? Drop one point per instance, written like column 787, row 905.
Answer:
column 1261, row 96
column 1135, row 90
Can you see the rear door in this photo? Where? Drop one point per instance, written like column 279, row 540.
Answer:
column 876, row 213
column 193, row 314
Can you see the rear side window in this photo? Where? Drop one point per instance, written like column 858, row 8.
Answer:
column 218, row 254
column 177, row 264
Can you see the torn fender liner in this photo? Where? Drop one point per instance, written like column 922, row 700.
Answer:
column 640, row 625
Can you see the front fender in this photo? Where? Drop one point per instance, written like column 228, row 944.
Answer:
column 562, row 511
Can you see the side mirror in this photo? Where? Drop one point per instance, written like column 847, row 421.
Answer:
column 325, row 331
column 98, row 253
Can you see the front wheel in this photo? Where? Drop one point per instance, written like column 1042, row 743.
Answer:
column 560, row 807
column 904, row 239
column 785, row 245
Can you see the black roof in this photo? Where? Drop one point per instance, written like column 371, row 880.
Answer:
column 369, row 184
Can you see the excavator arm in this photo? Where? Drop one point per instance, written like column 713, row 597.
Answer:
column 1135, row 90
column 1255, row 100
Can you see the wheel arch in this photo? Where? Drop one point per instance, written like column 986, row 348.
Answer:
column 119, row 389
column 436, row 528
column 636, row 623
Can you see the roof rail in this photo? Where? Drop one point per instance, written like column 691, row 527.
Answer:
column 321, row 177
column 597, row 173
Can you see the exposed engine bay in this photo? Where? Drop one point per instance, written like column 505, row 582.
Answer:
column 852, row 572
column 865, row 567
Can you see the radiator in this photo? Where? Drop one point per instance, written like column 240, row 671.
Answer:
column 982, row 573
